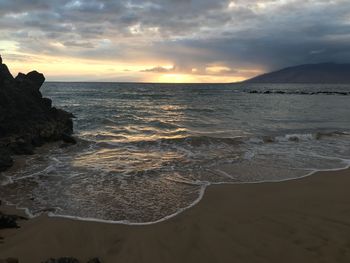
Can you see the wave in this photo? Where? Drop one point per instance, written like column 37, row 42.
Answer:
column 298, row 137
column 164, row 125
column 198, row 141
column 213, row 160
column 194, row 141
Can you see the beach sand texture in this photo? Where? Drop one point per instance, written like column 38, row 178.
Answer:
column 305, row 220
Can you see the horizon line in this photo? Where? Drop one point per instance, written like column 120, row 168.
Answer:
column 141, row 82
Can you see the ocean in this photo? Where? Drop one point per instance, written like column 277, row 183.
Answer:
column 147, row 152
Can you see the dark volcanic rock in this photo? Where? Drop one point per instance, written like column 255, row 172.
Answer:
column 26, row 119
column 5, row 75
column 9, row 221
column 9, row 260
column 5, row 160
column 69, row 260
column 62, row 260
column 68, row 138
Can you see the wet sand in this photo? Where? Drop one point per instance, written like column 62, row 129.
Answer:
column 305, row 220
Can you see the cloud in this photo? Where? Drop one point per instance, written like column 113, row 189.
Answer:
column 160, row 69
column 80, row 44
column 242, row 35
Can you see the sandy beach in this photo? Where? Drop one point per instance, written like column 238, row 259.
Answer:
column 305, row 220
column 175, row 131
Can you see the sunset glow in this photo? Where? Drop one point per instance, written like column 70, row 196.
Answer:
column 184, row 131
column 163, row 41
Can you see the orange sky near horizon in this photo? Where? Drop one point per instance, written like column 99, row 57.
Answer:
column 62, row 68
column 58, row 69
column 196, row 41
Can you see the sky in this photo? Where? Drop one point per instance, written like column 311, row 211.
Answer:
column 170, row 40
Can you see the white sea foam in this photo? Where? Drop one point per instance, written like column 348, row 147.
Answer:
column 126, row 222
column 180, row 180
column 5, row 180
column 180, row 211
column 47, row 170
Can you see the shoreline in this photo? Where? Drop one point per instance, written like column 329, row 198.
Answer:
column 25, row 211
column 306, row 220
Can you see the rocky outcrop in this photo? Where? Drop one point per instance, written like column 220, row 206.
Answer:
column 28, row 120
column 52, row 260
column 70, row 260
column 9, row 221
column 9, row 260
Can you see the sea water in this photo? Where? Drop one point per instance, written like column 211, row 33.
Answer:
column 146, row 152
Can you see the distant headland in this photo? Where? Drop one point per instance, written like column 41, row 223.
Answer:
column 309, row 73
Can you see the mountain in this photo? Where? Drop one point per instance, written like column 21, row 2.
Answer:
column 309, row 73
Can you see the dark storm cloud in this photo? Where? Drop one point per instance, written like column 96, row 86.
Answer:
column 188, row 33
column 274, row 40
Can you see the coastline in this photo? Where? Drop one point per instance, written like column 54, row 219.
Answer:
column 303, row 220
